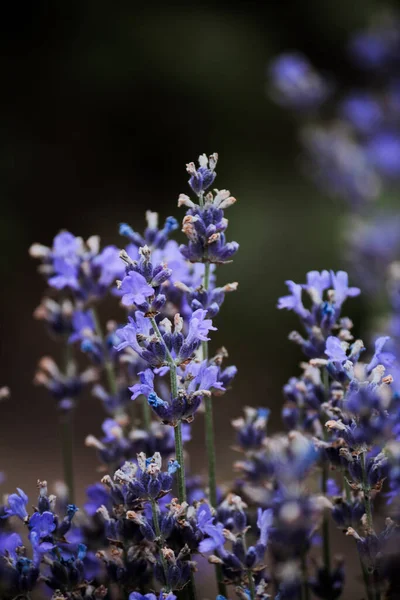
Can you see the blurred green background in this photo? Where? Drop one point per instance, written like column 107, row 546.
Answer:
column 102, row 105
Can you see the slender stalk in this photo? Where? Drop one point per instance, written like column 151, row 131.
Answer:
column 305, row 593
column 370, row 524
column 68, row 454
column 67, row 438
column 178, row 426
column 191, row 587
column 180, row 459
column 209, row 418
column 146, row 414
column 156, row 524
column 367, row 495
column 362, row 566
column 210, row 445
column 252, row 587
column 325, row 522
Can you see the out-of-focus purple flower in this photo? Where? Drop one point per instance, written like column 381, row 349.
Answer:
column 9, row 542
column 384, row 153
column 17, row 505
column 296, row 84
column 97, row 496
column 264, row 523
column 110, row 264
column 66, row 275
column 363, row 111
column 384, row 358
column 339, row 164
column 82, row 323
column 334, row 349
column 138, row 596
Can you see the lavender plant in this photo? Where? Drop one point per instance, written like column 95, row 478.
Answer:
column 146, row 523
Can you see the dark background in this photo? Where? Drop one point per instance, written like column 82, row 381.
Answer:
column 101, row 106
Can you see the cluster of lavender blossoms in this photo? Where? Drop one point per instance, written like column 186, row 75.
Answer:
column 147, row 522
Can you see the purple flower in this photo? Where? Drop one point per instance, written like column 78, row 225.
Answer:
column 379, row 357
column 17, row 505
column 202, row 177
column 135, row 289
column 205, row 523
column 145, row 386
column 128, row 334
column 112, row 430
column 199, row 327
column 66, row 275
column 204, row 377
column 111, row 265
column 340, row 283
column 295, row 83
column 363, row 111
column 42, row 524
column 334, row 349
column 264, row 524
column 98, row 496
column 82, row 321
column 67, row 246
column 332, row 488
column 9, row 542
column 369, row 50
column 138, row 596
column 318, row 281
column 384, row 153
column 293, row 301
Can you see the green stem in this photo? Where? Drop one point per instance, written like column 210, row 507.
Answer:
column 367, row 495
column 305, row 594
column 67, row 437
column 180, row 459
column 68, row 454
column 178, row 426
column 155, row 514
column 210, row 445
column 252, row 587
column 146, row 414
column 370, row 524
column 362, row 566
column 325, row 524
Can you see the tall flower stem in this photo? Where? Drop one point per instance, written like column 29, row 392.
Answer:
column 368, row 513
column 305, row 594
column 66, row 422
column 209, row 418
column 178, row 426
column 362, row 566
column 68, row 453
column 325, row 522
column 155, row 514
column 191, row 587
column 210, row 446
